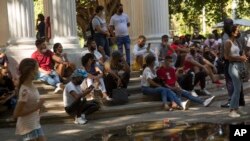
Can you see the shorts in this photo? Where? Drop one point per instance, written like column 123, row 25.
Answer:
column 34, row 134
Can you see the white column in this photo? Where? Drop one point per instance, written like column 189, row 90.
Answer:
column 63, row 20
column 156, row 19
column 4, row 24
column 21, row 21
column 147, row 17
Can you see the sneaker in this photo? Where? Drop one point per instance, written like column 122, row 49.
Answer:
column 208, row 101
column 108, row 98
column 58, row 90
column 218, row 82
column 206, row 92
column 193, row 93
column 79, row 120
column 233, row 114
column 225, row 105
column 185, row 104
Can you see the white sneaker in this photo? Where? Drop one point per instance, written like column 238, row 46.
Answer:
column 79, row 120
column 108, row 98
column 208, row 101
column 193, row 93
column 58, row 90
column 233, row 114
column 206, row 92
column 83, row 116
column 185, row 104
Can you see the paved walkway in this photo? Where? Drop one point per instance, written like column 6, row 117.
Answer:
column 71, row 132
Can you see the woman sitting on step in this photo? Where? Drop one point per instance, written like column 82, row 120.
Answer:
column 74, row 100
column 95, row 75
column 64, row 68
column 151, row 87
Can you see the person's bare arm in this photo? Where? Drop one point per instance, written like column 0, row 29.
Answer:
column 151, row 82
column 228, row 55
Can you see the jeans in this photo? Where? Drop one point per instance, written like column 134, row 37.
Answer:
column 237, row 84
column 125, row 40
column 189, row 96
column 229, row 84
column 101, row 40
column 166, row 94
column 52, row 79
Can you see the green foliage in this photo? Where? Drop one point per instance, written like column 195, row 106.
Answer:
column 188, row 13
column 38, row 7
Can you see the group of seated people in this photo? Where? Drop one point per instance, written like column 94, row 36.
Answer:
column 104, row 73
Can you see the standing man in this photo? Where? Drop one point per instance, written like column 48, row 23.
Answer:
column 120, row 23
column 101, row 30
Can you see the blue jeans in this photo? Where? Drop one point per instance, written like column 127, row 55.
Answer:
column 237, row 83
column 52, row 79
column 101, row 40
column 192, row 98
column 166, row 94
column 34, row 134
column 125, row 40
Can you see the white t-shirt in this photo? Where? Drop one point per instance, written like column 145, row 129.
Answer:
column 68, row 99
column 27, row 123
column 97, row 54
column 120, row 22
column 147, row 74
column 139, row 51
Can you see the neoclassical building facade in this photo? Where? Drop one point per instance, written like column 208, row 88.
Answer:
column 17, row 38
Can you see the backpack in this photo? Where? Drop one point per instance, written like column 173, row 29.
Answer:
column 89, row 33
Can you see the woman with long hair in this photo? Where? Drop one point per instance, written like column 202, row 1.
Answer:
column 29, row 104
column 235, row 58
column 95, row 75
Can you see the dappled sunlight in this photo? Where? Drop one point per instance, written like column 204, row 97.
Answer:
column 71, row 131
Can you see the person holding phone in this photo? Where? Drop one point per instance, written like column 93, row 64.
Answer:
column 140, row 51
column 75, row 103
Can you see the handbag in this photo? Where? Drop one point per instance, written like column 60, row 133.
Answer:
column 243, row 72
column 119, row 96
column 158, row 81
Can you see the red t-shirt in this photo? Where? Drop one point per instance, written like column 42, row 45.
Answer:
column 168, row 75
column 44, row 60
column 174, row 47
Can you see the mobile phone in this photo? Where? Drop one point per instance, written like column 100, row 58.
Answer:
column 149, row 44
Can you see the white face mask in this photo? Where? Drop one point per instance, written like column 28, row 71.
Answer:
column 44, row 50
column 103, row 13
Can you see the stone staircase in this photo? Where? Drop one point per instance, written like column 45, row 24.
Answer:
column 138, row 103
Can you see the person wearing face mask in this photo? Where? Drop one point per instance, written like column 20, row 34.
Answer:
column 64, row 68
column 74, row 98
column 141, row 50
column 101, row 30
column 45, row 58
column 99, row 57
column 168, row 73
column 119, row 23
column 211, row 42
